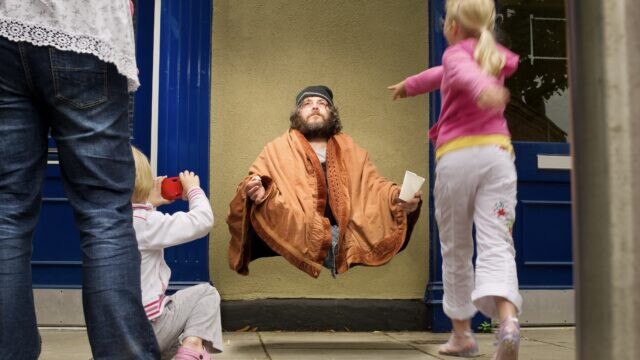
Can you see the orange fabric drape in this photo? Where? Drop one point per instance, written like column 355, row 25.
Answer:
column 291, row 220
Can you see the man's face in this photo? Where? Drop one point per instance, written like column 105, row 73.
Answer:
column 315, row 118
column 314, row 111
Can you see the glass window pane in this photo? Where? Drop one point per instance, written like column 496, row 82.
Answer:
column 539, row 107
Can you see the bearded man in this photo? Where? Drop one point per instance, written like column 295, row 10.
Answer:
column 314, row 197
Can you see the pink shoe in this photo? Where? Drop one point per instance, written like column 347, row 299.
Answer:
column 463, row 345
column 185, row 353
column 508, row 340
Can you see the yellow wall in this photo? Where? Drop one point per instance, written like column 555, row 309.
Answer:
column 264, row 52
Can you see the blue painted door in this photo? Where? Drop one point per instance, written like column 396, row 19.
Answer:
column 538, row 120
column 184, row 116
column 182, row 140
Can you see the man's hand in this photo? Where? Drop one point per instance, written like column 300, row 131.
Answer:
column 254, row 190
column 493, row 97
column 412, row 204
column 398, row 90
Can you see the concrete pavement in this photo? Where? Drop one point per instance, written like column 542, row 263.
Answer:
column 554, row 343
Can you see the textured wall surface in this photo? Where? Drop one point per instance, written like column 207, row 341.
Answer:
column 264, row 52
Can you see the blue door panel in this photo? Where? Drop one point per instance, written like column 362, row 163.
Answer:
column 539, row 253
column 542, row 246
column 183, row 116
column 542, row 232
column 141, row 122
column 526, row 162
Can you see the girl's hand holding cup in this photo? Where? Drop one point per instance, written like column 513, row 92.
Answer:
column 156, row 195
column 189, row 181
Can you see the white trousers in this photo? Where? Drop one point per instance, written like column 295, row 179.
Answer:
column 476, row 185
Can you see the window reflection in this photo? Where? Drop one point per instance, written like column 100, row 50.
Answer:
column 539, row 107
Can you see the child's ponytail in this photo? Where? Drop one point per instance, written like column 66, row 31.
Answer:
column 477, row 18
column 487, row 55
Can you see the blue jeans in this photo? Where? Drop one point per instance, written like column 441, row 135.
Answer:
column 83, row 102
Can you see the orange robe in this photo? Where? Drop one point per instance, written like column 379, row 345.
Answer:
column 291, row 221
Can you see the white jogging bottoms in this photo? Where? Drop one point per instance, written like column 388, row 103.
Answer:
column 476, row 185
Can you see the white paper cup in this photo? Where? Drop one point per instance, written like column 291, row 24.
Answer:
column 410, row 185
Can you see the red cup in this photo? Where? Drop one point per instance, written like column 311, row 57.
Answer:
column 171, row 188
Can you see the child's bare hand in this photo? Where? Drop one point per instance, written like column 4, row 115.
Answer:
column 155, row 195
column 398, row 90
column 189, row 180
column 493, row 97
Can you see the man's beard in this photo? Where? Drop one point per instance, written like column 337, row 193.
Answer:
column 325, row 129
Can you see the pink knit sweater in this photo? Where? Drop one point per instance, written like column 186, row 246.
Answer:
column 460, row 80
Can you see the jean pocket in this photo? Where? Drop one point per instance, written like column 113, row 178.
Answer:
column 78, row 79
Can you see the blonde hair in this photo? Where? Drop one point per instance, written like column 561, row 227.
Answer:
column 144, row 177
column 477, row 19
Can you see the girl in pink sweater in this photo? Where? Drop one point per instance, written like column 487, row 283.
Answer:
column 475, row 176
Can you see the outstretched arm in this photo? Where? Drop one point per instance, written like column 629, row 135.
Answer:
column 424, row 82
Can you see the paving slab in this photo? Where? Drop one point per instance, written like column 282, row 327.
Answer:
column 536, row 343
column 242, row 346
column 65, row 344
column 332, row 340
column 348, row 354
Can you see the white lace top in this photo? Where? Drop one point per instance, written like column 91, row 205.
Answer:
column 103, row 28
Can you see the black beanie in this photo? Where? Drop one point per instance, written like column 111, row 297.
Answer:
column 315, row 90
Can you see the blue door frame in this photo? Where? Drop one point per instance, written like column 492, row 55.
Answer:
column 434, row 292
column 183, row 140
column 184, row 116
column 542, row 232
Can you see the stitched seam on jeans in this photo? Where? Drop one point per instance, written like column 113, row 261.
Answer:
column 25, row 68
